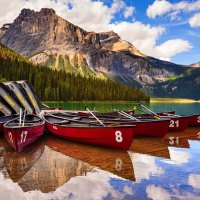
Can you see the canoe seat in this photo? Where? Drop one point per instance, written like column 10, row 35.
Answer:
column 62, row 122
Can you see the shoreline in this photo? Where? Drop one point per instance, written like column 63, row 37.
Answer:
column 173, row 100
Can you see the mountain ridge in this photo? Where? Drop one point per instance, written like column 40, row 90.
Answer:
column 195, row 64
column 60, row 86
column 50, row 40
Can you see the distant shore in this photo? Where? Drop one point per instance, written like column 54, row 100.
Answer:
column 173, row 100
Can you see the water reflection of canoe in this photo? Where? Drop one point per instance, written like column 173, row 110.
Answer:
column 40, row 168
column 1, row 157
column 21, row 134
column 112, row 160
column 152, row 146
column 180, row 139
column 18, row 164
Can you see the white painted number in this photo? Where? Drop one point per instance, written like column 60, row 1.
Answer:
column 173, row 140
column 10, row 137
column 198, row 119
column 23, row 136
column 118, row 164
column 174, row 123
column 198, row 135
column 118, row 136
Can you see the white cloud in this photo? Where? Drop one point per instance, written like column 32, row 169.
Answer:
column 96, row 185
column 99, row 17
column 194, row 180
column 144, row 37
column 157, row 193
column 144, row 166
column 178, row 157
column 172, row 47
column 96, row 18
column 161, row 7
column 128, row 12
column 174, row 15
column 64, row 181
column 195, row 20
column 158, row 8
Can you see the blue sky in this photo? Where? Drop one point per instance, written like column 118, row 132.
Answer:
column 178, row 28
column 165, row 29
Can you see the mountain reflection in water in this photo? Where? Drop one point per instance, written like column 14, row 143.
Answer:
column 53, row 168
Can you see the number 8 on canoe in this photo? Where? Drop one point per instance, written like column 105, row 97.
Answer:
column 118, row 136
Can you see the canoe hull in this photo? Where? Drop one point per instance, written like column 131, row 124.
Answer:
column 194, row 121
column 152, row 128
column 19, row 138
column 179, row 123
column 116, row 137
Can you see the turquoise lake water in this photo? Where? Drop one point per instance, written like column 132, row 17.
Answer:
column 56, row 169
column 187, row 108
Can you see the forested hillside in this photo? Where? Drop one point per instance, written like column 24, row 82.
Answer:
column 61, row 86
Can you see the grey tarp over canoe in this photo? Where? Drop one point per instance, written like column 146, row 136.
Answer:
column 5, row 108
column 32, row 95
column 10, row 98
column 21, row 95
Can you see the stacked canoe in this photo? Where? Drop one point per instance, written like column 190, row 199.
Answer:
column 23, row 121
column 20, row 106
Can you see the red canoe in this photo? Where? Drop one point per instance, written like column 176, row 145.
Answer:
column 111, row 136
column 178, row 123
column 144, row 127
column 151, row 128
column 20, row 136
column 194, row 120
column 5, row 119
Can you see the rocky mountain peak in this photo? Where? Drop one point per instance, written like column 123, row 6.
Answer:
column 52, row 41
column 47, row 11
column 26, row 12
column 3, row 29
column 35, row 31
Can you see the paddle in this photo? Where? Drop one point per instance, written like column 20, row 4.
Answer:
column 20, row 116
column 155, row 114
column 45, row 105
column 24, row 117
column 127, row 115
column 95, row 116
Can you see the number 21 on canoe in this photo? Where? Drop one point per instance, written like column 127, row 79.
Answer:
column 179, row 123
